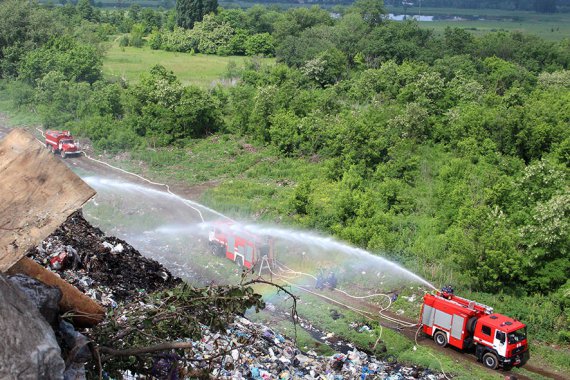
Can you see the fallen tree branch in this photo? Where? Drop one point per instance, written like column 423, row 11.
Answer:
column 169, row 346
column 95, row 352
column 146, row 350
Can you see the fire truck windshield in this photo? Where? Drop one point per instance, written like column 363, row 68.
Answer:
column 67, row 141
column 517, row 336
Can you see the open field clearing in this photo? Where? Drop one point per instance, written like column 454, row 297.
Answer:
column 199, row 69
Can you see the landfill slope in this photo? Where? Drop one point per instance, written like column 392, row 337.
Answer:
column 113, row 272
column 106, row 268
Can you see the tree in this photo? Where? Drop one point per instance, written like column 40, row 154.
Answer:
column 137, row 34
column 189, row 12
column 213, row 37
column 547, row 239
column 163, row 111
column 24, row 27
column 458, row 41
column 85, row 9
column 327, row 68
column 77, row 62
column 260, row 44
column 372, row 11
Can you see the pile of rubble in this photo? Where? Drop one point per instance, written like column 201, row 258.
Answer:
column 106, row 268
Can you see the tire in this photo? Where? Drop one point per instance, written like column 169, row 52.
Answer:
column 440, row 338
column 490, row 360
column 62, row 153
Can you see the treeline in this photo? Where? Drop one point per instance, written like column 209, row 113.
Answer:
column 542, row 6
column 450, row 153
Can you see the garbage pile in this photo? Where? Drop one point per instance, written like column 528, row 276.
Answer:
column 106, row 268
column 249, row 350
column 113, row 272
column 269, row 355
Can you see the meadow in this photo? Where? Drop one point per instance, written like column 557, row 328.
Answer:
column 198, row 69
column 552, row 27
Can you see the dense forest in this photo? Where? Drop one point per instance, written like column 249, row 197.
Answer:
column 448, row 152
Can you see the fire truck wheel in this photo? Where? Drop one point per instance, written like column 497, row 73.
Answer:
column 62, row 153
column 440, row 338
column 490, row 360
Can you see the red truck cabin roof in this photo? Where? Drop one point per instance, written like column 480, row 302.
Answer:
column 502, row 322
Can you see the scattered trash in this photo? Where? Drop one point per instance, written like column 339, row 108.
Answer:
column 108, row 269
column 265, row 354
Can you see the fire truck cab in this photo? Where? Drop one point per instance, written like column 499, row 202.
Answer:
column 236, row 244
column 497, row 339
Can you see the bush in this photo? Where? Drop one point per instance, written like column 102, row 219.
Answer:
column 179, row 40
column 137, row 34
column 155, row 40
column 21, row 93
column 124, row 40
column 564, row 336
column 260, row 44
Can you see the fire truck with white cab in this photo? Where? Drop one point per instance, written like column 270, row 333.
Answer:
column 496, row 339
column 61, row 142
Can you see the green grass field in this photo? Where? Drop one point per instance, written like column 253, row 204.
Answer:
column 201, row 70
column 548, row 26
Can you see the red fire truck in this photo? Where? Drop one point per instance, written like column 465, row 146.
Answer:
column 61, row 142
column 244, row 248
column 496, row 339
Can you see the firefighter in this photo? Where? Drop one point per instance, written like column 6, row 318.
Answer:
column 331, row 281
column 320, row 280
column 447, row 291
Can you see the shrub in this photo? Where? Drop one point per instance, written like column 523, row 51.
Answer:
column 260, row 44
column 124, row 40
